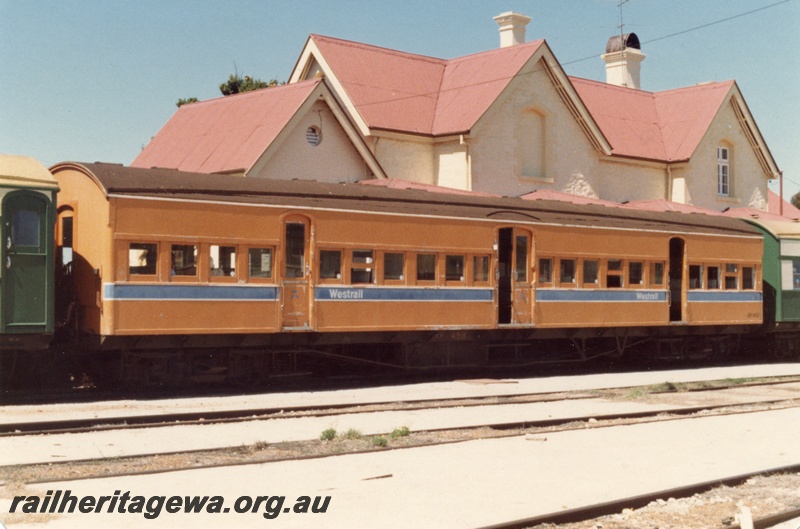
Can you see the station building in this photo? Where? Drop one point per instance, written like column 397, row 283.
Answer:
column 507, row 121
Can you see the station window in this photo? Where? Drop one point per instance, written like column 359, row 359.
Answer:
column 566, row 271
column 695, row 276
column 545, row 270
column 142, row 258
column 748, row 278
column 635, row 273
column 591, row 269
column 426, row 267
column 330, row 264
column 713, row 277
column 361, row 267
column 393, row 267
column 259, row 262
column 480, row 270
column 731, row 276
column 184, row 260
column 657, row 274
column 454, row 267
column 614, row 273
column 223, row 261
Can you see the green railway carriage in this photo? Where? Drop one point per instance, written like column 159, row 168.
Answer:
column 781, row 270
column 28, row 201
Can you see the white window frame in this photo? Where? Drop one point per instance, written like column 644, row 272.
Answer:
column 723, row 172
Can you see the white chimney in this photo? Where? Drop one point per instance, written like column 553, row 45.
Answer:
column 512, row 28
column 623, row 58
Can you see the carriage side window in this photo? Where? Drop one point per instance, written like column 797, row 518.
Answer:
column 731, row 276
column 25, row 228
column 142, row 258
column 635, row 273
column 713, row 277
column 361, row 267
column 393, row 267
column 66, row 240
column 545, row 270
column 426, row 267
column 521, row 264
column 330, row 264
column 566, row 271
column 695, row 276
column 748, row 278
column 591, row 267
column 223, row 261
column 480, row 270
column 184, row 260
column 454, row 267
column 259, row 262
column 657, row 274
column 796, row 275
column 614, row 273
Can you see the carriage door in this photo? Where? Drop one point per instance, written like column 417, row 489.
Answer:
column 25, row 281
column 296, row 274
column 677, row 256
column 514, row 281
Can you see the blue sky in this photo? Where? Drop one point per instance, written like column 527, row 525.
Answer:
column 94, row 80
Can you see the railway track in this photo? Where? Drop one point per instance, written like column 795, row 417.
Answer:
column 532, row 430
column 206, row 417
column 591, row 512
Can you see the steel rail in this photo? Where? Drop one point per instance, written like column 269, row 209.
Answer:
column 590, row 512
column 94, row 424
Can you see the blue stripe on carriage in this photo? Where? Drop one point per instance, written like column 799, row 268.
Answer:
column 591, row 296
column 325, row 293
column 175, row 292
column 723, row 296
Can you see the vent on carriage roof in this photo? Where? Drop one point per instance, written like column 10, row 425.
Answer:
column 623, row 58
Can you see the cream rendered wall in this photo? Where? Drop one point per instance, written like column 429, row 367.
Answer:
column 406, row 160
column 747, row 181
column 499, row 140
column 333, row 160
column 452, row 165
column 623, row 181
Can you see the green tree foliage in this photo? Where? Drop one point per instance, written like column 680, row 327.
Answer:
column 237, row 84
column 186, row 101
column 796, row 200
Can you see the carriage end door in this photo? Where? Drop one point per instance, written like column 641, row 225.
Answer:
column 296, row 274
column 27, row 267
column 514, row 278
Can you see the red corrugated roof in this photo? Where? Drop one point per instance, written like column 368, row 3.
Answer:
column 547, row 194
column 664, row 126
column 774, row 205
column 752, row 213
column 666, row 205
column 224, row 134
column 399, row 91
column 394, row 183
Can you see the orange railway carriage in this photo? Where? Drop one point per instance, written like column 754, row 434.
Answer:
column 162, row 259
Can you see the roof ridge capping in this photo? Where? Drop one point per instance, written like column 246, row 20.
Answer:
column 382, row 49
